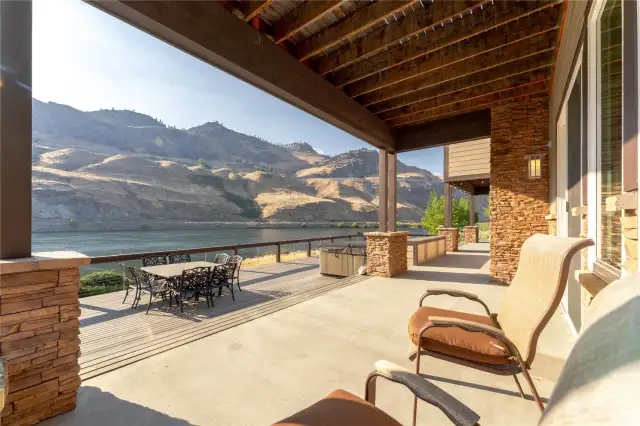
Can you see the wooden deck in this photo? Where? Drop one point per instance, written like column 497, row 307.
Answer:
column 114, row 335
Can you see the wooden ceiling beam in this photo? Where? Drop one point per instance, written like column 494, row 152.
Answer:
column 425, row 16
column 506, row 85
column 357, row 22
column 413, row 101
column 480, row 103
column 305, row 14
column 211, row 33
column 253, row 8
column 490, row 19
column 442, row 69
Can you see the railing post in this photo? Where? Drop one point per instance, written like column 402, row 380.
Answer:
column 234, row 251
column 309, row 248
column 278, row 253
column 331, row 239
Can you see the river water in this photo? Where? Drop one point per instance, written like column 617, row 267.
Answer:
column 119, row 242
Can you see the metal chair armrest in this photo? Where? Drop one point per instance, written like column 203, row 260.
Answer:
column 455, row 410
column 454, row 293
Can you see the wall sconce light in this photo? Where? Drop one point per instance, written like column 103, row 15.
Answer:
column 534, row 163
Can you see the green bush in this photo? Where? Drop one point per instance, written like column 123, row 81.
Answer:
column 94, row 291
column 340, row 225
column 355, row 225
column 102, row 279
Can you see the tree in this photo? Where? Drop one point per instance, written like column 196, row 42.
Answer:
column 433, row 217
column 202, row 163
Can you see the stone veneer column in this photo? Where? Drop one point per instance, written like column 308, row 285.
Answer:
column 39, row 329
column 451, row 238
column 470, row 234
column 630, row 239
column 386, row 253
column 518, row 205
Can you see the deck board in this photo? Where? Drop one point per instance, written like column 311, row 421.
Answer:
column 114, row 335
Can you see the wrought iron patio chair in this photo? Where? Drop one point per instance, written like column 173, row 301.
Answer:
column 221, row 258
column 221, row 277
column 343, row 408
column 147, row 284
column 130, row 283
column 154, row 260
column 502, row 343
column 237, row 260
column 194, row 282
column 179, row 258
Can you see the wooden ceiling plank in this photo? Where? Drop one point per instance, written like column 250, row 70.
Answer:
column 451, row 35
column 214, row 35
column 484, row 102
column 253, row 8
column 357, row 22
column 426, row 16
column 505, row 85
column 305, row 14
column 407, row 103
column 448, row 68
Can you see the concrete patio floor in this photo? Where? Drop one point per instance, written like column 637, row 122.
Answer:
column 261, row 371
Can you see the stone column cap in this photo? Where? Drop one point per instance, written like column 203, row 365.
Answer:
column 471, row 226
column 385, row 234
column 448, row 229
column 45, row 260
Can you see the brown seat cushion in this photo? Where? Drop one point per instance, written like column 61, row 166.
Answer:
column 453, row 341
column 340, row 408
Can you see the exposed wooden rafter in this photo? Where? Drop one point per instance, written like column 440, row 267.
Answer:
column 359, row 21
column 253, row 8
column 425, row 16
column 517, row 15
column 447, row 68
column 305, row 14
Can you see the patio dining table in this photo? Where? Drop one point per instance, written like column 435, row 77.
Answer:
column 174, row 270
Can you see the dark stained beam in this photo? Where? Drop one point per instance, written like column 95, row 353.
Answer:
column 253, row 8
column 208, row 31
column 449, row 68
column 357, row 22
column 483, row 102
column 491, row 80
column 468, row 96
column 450, row 36
column 15, row 129
column 477, row 125
column 425, row 16
column 305, row 14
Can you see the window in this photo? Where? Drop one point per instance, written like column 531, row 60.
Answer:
column 609, row 88
column 535, row 171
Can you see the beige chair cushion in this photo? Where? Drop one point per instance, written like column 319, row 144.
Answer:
column 340, row 408
column 537, row 288
column 452, row 341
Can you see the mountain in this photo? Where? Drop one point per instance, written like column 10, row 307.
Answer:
column 120, row 166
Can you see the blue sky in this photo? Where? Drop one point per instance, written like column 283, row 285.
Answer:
column 89, row 60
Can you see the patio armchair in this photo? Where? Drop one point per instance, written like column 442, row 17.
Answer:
column 194, row 282
column 154, row 260
column 179, row 258
column 341, row 408
column 129, row 283
column 221, row 258
column 146, row 284
column 237, row 260
column 502, row 343
column 222, row 276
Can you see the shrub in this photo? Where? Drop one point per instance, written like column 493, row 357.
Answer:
column 102, row 279
column 355, row 225
column 340, row 225
column 94, row 291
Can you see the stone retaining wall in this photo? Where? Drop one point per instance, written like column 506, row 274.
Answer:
column 386, row 253
column 518, row 205
column 39, row 329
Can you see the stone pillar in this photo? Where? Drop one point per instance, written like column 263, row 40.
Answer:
column 470, row 234
column 386, row 253
column 630, row 240
column 451, row 237
column 39, row 329
column 518, row 204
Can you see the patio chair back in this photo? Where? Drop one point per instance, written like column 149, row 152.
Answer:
column 179, row 258
column 537, row 288
column 142, row 278
column 195, row 278
column 237, row 261
column 129, row 275
column 154, row 260
column 221, row 258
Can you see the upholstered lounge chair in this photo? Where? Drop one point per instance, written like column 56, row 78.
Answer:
column 501, row 343
column 341, row 408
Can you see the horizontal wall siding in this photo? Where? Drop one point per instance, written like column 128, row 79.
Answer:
column 468, row 158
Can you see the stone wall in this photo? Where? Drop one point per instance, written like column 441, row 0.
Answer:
column 630, row 240
column 518, row 205
column 386, row 253
column 39, row 329
column 470, row 234
column 451, row 236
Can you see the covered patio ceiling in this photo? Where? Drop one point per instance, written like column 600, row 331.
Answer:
column 383, row 71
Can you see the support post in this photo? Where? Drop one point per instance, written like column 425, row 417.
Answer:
column 308, row 248
column 278, row 253
column 392, row 197
column 383, row 175
column 447, row 205
column 15, row 129
column 472, row 209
